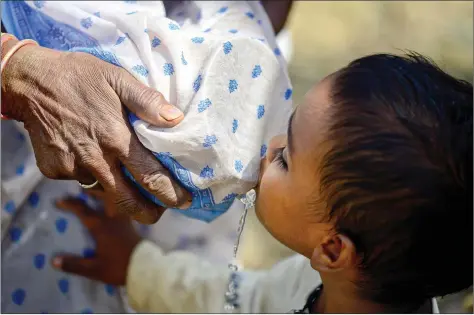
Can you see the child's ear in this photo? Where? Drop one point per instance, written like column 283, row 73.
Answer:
column 336, row 252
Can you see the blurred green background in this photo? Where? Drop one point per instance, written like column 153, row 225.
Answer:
column 329, row 34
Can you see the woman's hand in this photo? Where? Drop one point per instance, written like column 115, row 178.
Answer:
column 115, row 241
column 71, row 105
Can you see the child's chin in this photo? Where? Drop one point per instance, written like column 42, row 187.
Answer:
column 259, row 215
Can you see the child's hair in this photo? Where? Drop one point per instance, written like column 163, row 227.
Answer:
column 398, row 177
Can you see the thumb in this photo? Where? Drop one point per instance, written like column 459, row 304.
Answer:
column 145, row 102
column 85, row 267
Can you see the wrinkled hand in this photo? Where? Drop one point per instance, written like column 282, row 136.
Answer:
column 71, row 105
column 115, row 241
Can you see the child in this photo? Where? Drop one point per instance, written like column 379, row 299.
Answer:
column 372, row 186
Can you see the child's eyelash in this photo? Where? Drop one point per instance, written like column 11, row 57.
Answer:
column 279, row 159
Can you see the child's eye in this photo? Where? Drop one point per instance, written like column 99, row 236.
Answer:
column 280, row 160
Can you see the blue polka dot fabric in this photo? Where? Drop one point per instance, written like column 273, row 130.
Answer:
column 217, row 61
column 36, row 233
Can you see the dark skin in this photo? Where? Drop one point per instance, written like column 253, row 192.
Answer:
column 115, row 236
column 278, row 12
column 115, row 239
column 64, row 98
column 83, row 150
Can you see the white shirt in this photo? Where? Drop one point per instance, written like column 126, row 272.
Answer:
column 180, row 282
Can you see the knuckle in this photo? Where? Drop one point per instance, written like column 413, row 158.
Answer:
column 152, row 97
column 162, row 186
column 142, row 212
column 117, row 77
column 118, row 148
column 116, row 140
column 89, row 162
column 60, row 168
column 48, row 172
column 126, row 206
column 87, row 156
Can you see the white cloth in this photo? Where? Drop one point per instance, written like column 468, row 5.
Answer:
column 33, row 231
column 180, row 282
column 216, row 60
column 235, row 94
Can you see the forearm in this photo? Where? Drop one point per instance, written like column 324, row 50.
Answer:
column 25, row 68
column 277, row 11
column 6, row 99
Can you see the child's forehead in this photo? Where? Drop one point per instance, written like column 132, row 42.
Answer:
column 316, row 103
column 311, row 117
column 319, row 95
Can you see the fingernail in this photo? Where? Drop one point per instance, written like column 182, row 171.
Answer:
column 57, row 262
column 170, row 112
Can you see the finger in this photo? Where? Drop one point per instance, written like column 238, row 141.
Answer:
column 90, row 218
column 86, row 267
column 153, row 176
column 83, row 176
column 110, row 210
column 130, row 201
column 145, row 102
column 100, row 195
column 126, row 198
column 53, row 165
column 57, row 164
column 96, row 192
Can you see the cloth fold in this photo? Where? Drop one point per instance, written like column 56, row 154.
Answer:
column 217, row 61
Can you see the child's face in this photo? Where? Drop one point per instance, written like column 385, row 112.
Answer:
column 289, row 180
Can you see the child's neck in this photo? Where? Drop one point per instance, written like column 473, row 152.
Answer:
column 336, row 302
column 337, row 298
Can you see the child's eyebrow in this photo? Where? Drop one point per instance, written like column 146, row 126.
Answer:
column 290, row 133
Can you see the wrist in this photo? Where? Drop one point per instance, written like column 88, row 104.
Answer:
column 20, row 71
column 8, row 41
column 8, row 44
